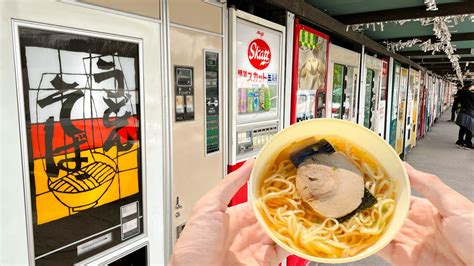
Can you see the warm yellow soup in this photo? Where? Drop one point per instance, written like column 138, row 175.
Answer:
column 295, row 223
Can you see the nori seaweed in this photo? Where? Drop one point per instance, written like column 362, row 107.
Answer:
column 322, row 146
column 367, row 201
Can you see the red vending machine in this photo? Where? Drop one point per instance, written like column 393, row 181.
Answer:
column 256, row 76
column 309, row 79
column 310, row 57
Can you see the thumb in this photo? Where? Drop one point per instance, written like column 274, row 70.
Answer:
column 444, row 198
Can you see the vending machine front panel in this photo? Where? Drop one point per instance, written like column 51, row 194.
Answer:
column 256, row 83
column 310, row 57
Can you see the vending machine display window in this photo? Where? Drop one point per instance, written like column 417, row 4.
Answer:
column 343, row 91
column 394, row 105
column 350, row 103
column 256, row 84
column 369, row 98
column 310, row 57
column 83, row 122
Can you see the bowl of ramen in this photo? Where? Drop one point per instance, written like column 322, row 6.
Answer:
column 329, row 191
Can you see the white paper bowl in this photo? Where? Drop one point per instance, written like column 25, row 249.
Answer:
column 356, row 134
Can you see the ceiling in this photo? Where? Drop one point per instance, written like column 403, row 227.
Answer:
column 386, row 11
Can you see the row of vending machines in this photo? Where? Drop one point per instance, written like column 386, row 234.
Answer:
column 117, row 117
column 397, row 102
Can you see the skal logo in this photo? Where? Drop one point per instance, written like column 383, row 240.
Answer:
column 259, row 54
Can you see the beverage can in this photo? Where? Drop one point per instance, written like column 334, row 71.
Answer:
column 249, row 100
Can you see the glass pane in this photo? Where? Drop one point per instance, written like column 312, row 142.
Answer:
column 338, row 81
column 349, row 92
column 368, row 98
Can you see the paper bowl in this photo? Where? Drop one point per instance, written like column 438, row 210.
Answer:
column 353, row 133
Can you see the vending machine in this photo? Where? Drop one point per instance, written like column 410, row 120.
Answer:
column 402, row 110
column 82, row 176
column 310, row 57
column 256, row 78
column 422, row 105
column 416, row 103
column 394, row 104
column 410, row 107
column 197, row 118
column 382, row 108
column 369, row 95
column 343, row 83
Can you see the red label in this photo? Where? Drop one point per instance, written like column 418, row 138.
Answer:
column 259, row 54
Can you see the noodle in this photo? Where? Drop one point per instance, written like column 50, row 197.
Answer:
column 297, row 225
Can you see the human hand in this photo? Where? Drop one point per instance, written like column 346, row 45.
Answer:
column 218, row 235
column 439, row 230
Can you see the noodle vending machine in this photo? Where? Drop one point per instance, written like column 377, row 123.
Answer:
column 416, row 104
column 343, row 85
column 400, row 135
column 369, row 95
column 396, row 70
column 410, row 107
column 310, row 57
column 383, row 96
column 256, row 63
column 196, row 95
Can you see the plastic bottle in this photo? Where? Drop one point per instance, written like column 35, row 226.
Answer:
column 262, row 98
column 256, row 100
column 243, row 100
column 249, row 100
column 267, row 103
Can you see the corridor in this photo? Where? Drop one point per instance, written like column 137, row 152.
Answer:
column 436, row 153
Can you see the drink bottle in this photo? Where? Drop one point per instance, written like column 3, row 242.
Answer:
column 256, row 100
column 268, row 100
column 243, row 100
column 262, row 99
column 249, row 100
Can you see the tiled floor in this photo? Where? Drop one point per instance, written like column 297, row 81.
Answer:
column 437, row 153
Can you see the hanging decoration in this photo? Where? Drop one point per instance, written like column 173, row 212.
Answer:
column 430, row 5
column 395, row 46
column 441, row 27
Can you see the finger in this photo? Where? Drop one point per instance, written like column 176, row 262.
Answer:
column 443, row 197
column 281, row 254
column 219, row 197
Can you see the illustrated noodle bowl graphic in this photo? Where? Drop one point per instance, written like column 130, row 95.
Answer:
column 82, row 189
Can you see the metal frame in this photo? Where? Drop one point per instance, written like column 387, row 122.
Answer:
column 220, row 102
column 234, row 15
column 388, row 113
column 22, row 121
column 119, row 256
column 195, row 29
column 111, row 10
column 167, row 132
column 290, row 28
column 225, row 91
column 363, row 72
